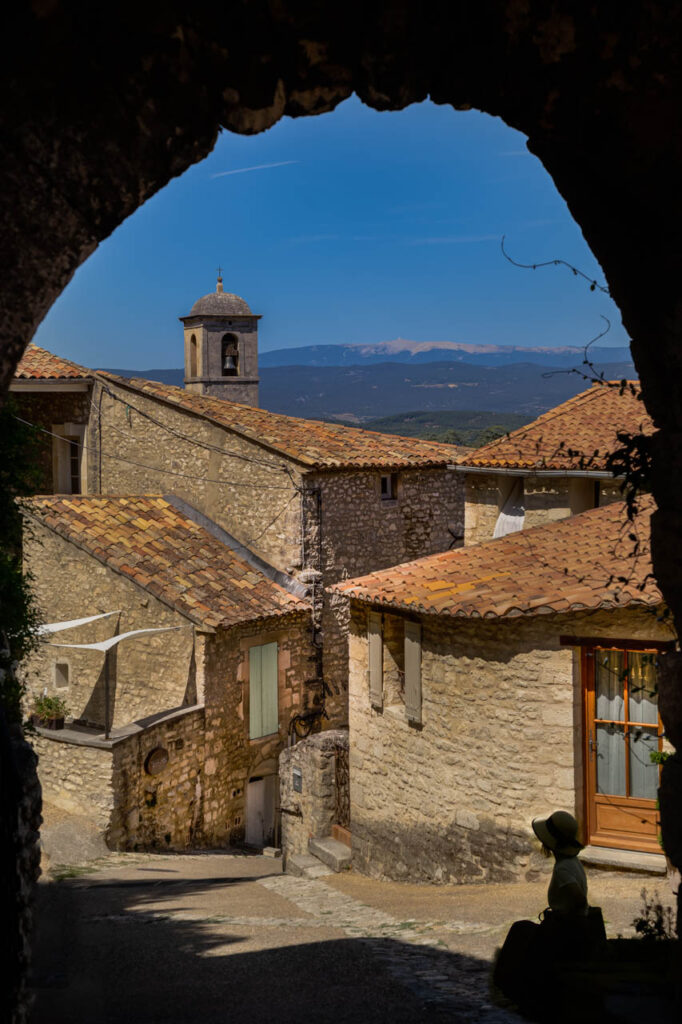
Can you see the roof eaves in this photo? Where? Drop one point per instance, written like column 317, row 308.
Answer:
column 100, row 555
column 126, row 382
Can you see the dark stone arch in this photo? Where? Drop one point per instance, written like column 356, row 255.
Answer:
column 106, row 103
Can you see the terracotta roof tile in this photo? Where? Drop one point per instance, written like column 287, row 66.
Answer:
column 39, row 364
column 176, row 566
column 585, row 561
column 577, row 435
column 310, row 442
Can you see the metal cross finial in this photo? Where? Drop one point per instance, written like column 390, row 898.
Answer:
column 220, row 271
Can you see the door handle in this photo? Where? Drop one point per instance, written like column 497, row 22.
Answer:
column 591, row 745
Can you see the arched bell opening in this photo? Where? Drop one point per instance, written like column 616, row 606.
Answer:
column 193, row 358
column 230, row 356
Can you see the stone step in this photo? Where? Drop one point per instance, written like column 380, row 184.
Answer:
column 333, row 853
column 624, row 860
column 304, row 865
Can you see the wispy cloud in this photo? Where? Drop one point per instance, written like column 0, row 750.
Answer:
column 315, row 238
column 257, row 167
column 454, row 239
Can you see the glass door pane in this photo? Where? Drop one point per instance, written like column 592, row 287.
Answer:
column 643, row 774
column 609, row 671
column 643, row 692
column 611, row 759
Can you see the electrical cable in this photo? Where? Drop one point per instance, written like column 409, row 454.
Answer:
column 141, row 465
column 191, row 440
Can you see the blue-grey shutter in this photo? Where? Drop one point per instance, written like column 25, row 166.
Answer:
column 255, row 692
column 375, row 660
column 270, row 721
column 413, row 671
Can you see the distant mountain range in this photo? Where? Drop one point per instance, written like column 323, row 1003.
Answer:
column 402, row 351
column 360, row 393
column 359, row 383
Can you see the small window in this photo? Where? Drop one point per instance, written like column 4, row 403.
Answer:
column 389, row 486
column 61, row 674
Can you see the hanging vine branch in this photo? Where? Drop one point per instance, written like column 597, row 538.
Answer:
column 594, row 285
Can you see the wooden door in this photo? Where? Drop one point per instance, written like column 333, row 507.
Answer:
column 261, row 800
column 622, row 727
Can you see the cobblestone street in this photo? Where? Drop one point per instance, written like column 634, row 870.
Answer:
column 218, row 937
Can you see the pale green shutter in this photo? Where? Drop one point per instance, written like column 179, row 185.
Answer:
column 413, row 671
column 263, row 710
column 375, row 658
column 270, row 722
column 255, row 692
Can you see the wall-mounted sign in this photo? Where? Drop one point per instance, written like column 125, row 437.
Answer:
column 156, row 761
column 297, row 779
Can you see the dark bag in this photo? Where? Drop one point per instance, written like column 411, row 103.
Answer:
column 574, row 938
column 517, row 960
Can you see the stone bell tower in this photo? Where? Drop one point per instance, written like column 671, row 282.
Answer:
column 221, row 348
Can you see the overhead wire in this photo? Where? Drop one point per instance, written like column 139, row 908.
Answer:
column 141, row 465
column 184, row 437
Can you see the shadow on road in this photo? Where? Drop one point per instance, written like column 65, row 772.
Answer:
column 103, row 956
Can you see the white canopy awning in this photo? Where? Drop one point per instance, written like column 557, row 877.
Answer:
column 106, row 645
column 56, row 627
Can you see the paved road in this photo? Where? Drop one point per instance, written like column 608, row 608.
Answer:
column 220, row 938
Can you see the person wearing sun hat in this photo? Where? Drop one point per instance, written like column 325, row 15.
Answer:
column 525, row 968
column 567, row 893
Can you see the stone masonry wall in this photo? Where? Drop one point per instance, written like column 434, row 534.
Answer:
column 501, row 741
column 546, row 500
column 165, row 810
column 110, row 786
column 312, row 811
column 247, row 490
column 46, row 411
column 482, row 502
column 231, row 757
column 351, row 531
column 147, row 674
column 78, row 779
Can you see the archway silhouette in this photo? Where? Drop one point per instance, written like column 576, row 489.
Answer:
column 91, row 132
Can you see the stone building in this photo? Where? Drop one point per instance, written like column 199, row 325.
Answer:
column 175, row 735
column 315, row 500
column 305, row 503
column 493, row 683
column 556, row 466
column 55, row 394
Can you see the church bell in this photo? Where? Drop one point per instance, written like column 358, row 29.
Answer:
column 230, row 365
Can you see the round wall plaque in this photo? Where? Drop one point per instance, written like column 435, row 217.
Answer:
column 156, row 761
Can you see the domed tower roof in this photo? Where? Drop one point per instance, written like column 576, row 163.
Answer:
column 220, row 303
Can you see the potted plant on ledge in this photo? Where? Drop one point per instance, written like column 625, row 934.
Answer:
column 49, row 712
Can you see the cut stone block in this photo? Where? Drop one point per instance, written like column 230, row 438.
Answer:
column 304, row 865
column 624, row 860
column 333, row 853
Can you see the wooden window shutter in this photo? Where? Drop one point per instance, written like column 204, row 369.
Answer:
column 270, row 722
column 255, row 692
column 263, row 704
column 376, row 667
column 413, row 671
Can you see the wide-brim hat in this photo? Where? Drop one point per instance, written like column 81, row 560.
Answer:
column 558, row 832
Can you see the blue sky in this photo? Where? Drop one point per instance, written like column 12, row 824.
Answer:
column 352, row 227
